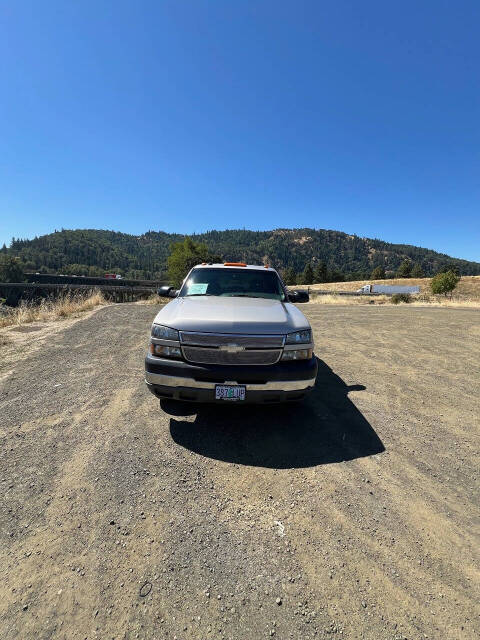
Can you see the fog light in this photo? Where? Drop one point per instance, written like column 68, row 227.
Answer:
column 163, row 351
column 297, row 354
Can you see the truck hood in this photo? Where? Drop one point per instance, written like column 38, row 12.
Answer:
column 216, row 314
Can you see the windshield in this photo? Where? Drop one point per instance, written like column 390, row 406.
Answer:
column 247, row 283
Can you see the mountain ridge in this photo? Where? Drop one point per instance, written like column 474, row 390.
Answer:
column 145, row 255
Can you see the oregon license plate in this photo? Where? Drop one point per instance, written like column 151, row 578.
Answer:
column 232, row 392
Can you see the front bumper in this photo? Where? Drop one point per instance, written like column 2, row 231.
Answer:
column 281, row 382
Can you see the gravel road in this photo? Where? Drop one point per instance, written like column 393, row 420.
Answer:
column 354, row 515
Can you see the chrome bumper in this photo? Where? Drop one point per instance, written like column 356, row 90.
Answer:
column 190, row 383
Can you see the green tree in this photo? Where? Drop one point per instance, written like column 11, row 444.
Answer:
column 405, row 269
column 378, row 273
column 444, row 282
column 11, row 269
column 185, row 255
column 320, row 274
column 417, row 271
column 290, row 276
column 336, row 276
column 95, row 272
column 450, row 266
column 307, row 276
column 76, row 269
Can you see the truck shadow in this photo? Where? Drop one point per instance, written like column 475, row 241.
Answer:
column 326, row 428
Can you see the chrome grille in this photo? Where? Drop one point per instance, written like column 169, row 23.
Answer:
column 204, row 355
column 219, row 339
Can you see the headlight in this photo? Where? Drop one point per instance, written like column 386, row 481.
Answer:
column 159, row 331
column 163, row 351
column 297, row 354
column 299, row 337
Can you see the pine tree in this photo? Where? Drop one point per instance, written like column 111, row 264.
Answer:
column 320, row 274
column 289, row 276
column 405, row 269
column 336, row 276
column 417, row 271
column 11, row 269
column 378, row 273
column 307, row 274
column 185, row 255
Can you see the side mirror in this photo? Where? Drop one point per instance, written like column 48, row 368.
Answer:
column 298, row 296
column 167, row 292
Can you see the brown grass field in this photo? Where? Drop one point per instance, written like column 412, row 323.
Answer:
column 468, row 287
column 467, row 293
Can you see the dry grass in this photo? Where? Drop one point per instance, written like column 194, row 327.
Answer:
column 442, row 301
column 416, row 300
column 467, row 293
column 54, row 309
column 154, row 299
column 468, row 287
column 332, row 298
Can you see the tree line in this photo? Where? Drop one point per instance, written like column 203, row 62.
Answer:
column 319, row 272
column 331, row 255
column 187, row 253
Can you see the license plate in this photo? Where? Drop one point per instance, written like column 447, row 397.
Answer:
column 231, row 392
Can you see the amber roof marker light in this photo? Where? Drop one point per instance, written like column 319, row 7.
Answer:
column 234, row 264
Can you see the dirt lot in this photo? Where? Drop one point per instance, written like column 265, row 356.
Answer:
column 353, row 516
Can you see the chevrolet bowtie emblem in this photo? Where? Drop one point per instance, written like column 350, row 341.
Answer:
column 231, row 348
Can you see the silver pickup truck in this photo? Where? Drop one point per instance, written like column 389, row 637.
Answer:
column 231, row 334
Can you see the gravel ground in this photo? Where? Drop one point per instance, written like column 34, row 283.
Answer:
column 354, row 515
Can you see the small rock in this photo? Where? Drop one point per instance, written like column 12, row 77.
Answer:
column 145, row 589
column 278, row 601
column 25, row 607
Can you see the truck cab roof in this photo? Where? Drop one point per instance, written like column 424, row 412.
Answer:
column 233, row 265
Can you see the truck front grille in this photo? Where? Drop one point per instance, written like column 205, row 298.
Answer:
column 221, row 339
column 228, row 348
column 204, row 355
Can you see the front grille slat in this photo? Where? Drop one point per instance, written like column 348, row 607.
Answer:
column 203, row 355
column 217, row 340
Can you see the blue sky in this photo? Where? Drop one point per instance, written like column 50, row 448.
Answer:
column 191, row 115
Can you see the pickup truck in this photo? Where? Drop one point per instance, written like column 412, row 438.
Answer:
column 232, row 333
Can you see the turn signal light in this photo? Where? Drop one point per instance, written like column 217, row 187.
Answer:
column 164, row 351
column 297, row 354
column 234, row 264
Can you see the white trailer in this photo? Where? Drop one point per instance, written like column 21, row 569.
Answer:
column 388, row 289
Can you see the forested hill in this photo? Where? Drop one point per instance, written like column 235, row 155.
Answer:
column 90, row 251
